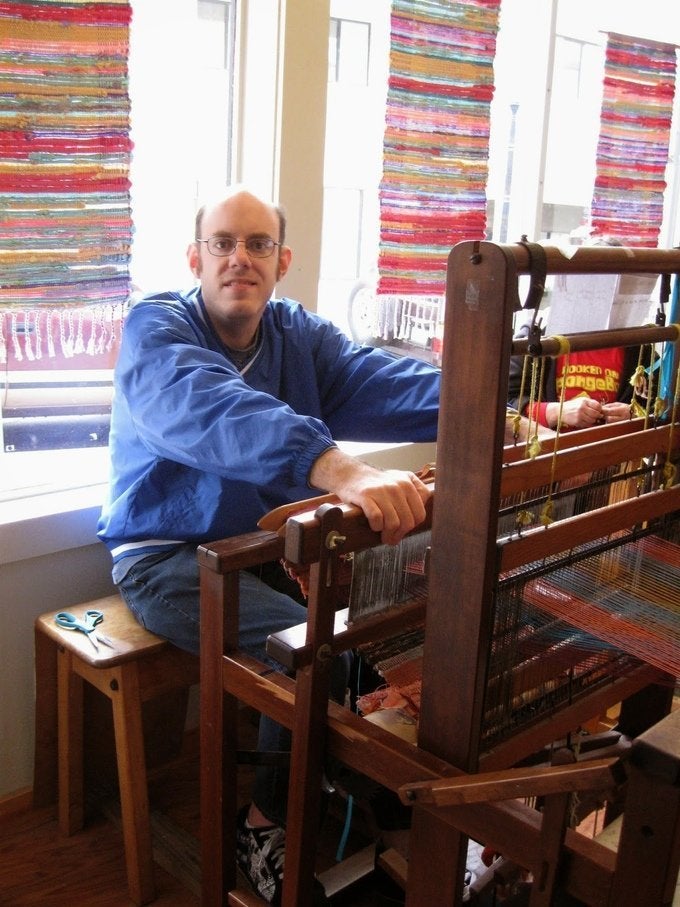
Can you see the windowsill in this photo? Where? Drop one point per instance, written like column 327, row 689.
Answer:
column 47, row 523
column 59, row 520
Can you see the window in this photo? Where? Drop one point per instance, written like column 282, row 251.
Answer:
column 182, row 133
column 355, row 117
column 182, row 77
column 55, row 411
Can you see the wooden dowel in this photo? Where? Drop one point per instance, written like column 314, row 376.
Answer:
column 527, row 474
column 596, row 259
column 537, row 544
column 510, row 784
column 595, row 340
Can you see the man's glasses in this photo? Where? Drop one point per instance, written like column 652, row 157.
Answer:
column 256, row 246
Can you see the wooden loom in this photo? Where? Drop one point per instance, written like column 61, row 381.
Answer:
column 475, row 474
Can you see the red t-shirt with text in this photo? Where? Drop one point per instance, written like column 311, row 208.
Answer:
column 596, row 374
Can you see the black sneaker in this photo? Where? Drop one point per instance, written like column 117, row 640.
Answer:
column 260, row 855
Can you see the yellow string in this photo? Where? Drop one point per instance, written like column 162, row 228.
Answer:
column 564, row 347
column 532, row 403
column 524, row 517
column 533, row 447
column 518, row 417
column 642, row 387
column 547, row 512
column 669, row 469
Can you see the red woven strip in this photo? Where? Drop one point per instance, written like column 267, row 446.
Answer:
column 87, row 14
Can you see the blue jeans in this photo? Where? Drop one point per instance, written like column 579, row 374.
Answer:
column 162, row 591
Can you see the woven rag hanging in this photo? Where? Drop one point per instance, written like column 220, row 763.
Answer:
column 436, row 142
column 635, row 128
column 65, row 217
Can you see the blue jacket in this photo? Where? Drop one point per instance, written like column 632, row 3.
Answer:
column 201, row 452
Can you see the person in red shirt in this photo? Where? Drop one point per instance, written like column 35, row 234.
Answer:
column 597, row 388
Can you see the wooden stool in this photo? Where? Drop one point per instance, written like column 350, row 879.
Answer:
column 140, row 667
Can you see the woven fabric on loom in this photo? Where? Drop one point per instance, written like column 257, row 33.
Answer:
column 436, row 142
column 65, row 217
column 632, row 152
column 555, row 636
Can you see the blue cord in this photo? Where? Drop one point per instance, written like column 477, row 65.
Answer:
column 666, row 390
column 350, row 799
column 345, row 831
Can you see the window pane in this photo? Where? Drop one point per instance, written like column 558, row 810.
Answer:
column 348, row 49
column 541, row 168
column 355, row 120
column 181, row 70
column 181, row 133
column 340, row 244
column 353, row 48
column 572, row 138
column 333, row 50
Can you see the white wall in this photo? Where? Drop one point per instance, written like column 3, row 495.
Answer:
column 29, row 587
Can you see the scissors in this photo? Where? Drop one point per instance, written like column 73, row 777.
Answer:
column 86, row 625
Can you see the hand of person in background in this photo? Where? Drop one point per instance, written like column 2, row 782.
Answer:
column 581, row 412
column 616, row 412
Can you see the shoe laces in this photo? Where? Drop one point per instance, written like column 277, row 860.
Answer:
column 272, row 843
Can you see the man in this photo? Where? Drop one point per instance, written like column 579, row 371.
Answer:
column 227, row 404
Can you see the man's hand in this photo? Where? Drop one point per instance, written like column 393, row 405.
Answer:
column 392, row 500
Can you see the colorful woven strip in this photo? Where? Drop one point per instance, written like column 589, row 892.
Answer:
column 436, row 142
column 632, row 152
column 65, row 214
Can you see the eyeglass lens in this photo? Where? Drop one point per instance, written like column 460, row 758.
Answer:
column 256, row 246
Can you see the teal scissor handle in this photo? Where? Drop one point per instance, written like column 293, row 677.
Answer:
column 93, row 617
column 86, row 624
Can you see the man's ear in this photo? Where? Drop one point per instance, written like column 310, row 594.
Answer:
column 285, row 256
column 194, row 259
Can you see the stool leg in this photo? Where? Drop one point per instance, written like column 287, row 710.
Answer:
column 70, row 745
column 46, row 710
column 134, row 794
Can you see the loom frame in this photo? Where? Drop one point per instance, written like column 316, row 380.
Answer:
column 448, row 743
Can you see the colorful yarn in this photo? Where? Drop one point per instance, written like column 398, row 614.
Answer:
column 633, row 148
column 436, row 141
column 65, row 212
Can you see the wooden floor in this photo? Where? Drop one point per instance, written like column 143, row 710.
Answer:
column 41, row 868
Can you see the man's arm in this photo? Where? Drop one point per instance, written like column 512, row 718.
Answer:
column 392, row 500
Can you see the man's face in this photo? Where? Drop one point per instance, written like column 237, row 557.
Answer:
column 237, row 287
